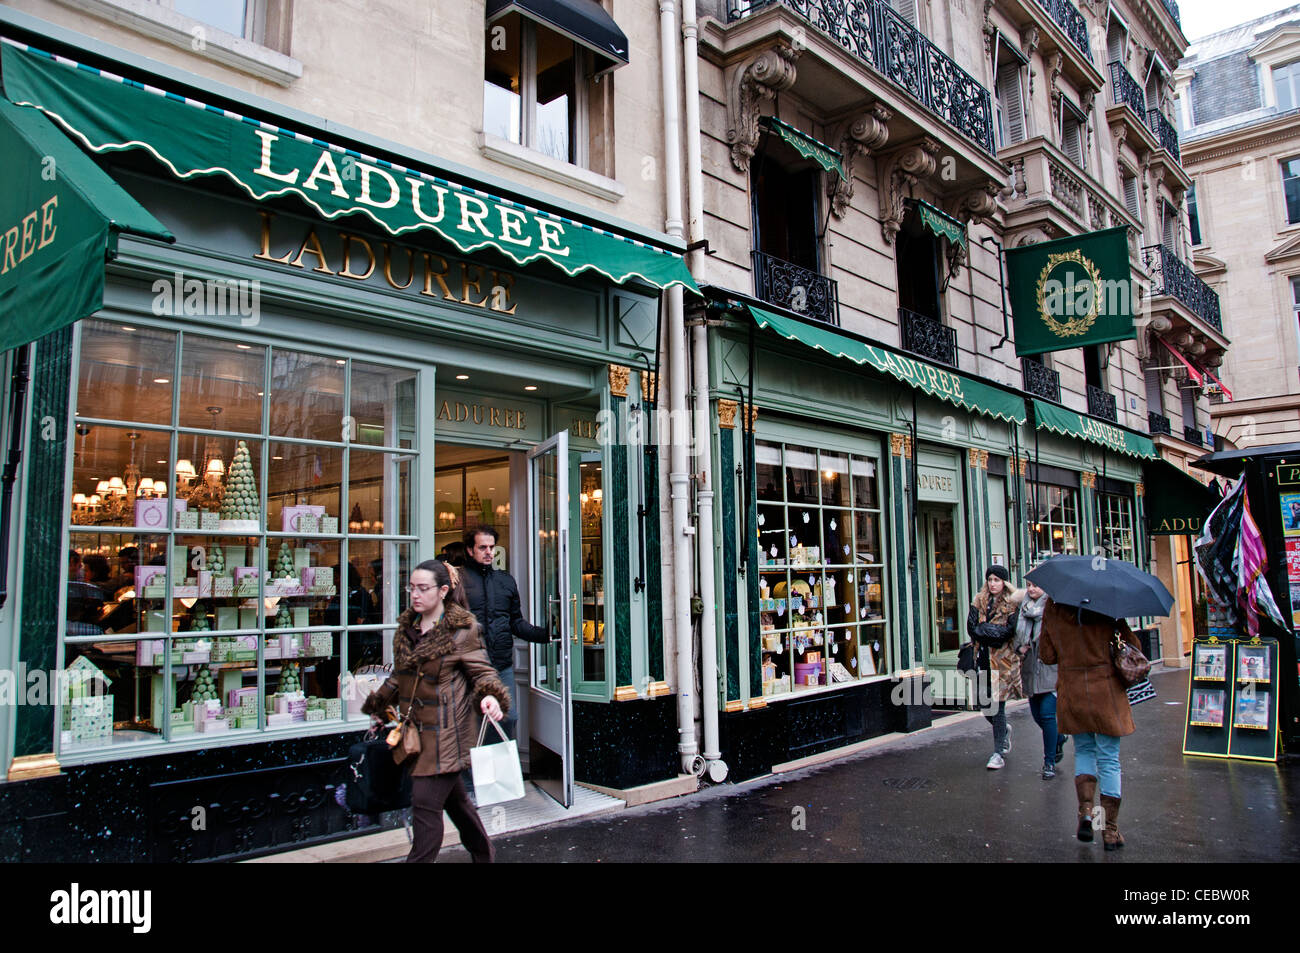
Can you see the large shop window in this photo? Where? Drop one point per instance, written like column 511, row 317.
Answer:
column 1056, row 522
column 822, row 581
column 241, row 525
column 1115, row 526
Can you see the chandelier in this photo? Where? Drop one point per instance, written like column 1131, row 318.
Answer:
column 113, row 501
column 202, row 488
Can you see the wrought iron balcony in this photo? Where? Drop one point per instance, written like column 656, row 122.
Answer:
column 1172, row 7
column 800, row 289
column 1102, row 404
column 1039, row 380
column 1069, row 19
column 927, row 337
column 1159, row 424
column 1125, row 90
column 1172, row 276
column 873, row 32
column 1165, row 132
column 1192, row 435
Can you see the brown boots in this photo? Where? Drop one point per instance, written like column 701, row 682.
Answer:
column 1112, row 838
column 1085, row 785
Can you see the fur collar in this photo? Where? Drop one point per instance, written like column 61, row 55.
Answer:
column 412, row 650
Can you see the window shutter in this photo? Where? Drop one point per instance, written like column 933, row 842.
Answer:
column 1012, row 104
column 1155, row 393
column 907, row 10
column 1131, row 197
column 1072, row 140
column 1115, row 43
column 1169, row 228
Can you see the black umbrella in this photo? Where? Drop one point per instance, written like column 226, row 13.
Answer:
column 1110, row 587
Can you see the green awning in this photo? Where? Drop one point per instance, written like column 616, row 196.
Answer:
column 1176, row 502
column 1072, row 424
column 60, row 215
column 193, row 140
column 940, row 222
column 806, row 145
column 935, row 381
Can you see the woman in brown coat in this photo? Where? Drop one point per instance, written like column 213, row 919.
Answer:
column 1092, row 705
column 991, row 624
column 439, row 659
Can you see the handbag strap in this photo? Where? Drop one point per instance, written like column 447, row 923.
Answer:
column 482, row 731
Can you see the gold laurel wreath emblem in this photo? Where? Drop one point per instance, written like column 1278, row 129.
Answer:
column 1079, row 324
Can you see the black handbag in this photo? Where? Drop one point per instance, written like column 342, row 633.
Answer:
column 374, row 783
column 968, row 657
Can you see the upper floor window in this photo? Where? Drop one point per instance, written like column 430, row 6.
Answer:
column 236, row 17
column 1008, row 72
column 1286, row 85
column 1291, row 189
column 1131, row 201
column 1116, row 40
column 1074, row 133
column 1169, row 226
column 908, row 10
column 1193, row 215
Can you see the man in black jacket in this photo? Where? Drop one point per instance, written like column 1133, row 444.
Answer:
column 494, row 599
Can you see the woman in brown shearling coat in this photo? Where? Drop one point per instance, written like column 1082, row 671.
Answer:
column 439, row 659
column 1091, row 705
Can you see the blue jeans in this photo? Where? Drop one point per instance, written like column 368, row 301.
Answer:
column 511, row 720
column 1043, row 708
column 1098, row 755
column 999, row 722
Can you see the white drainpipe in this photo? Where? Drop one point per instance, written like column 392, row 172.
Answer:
column 679, row 478
column 704, row 543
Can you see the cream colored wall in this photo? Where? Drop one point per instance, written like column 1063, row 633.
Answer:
column 411, row 71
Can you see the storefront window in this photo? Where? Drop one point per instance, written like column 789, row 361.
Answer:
column 1056, row 522
column 231, row 556
column 1115, row 527
column 822, row 582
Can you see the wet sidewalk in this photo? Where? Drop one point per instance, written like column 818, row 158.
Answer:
column 928, row 797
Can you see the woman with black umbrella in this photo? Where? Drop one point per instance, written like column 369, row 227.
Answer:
column 1092, row 706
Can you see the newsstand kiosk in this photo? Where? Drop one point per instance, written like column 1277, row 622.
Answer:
column 1229, row 704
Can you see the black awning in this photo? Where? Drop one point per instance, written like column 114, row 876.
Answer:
column 584, row 21
column 1176, row 502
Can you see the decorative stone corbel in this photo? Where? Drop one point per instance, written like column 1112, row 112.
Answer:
column 618, row 380
column 1146, row 181
column 1056, row 65
column 1028, row 43
column 861, row 136
column 979, row 204
column 990, row 31
column 749, row 85
column 902, row 171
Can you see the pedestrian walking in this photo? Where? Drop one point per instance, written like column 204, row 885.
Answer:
column 441, row 674
column 1037, row 678
column 1092, row 706
column 991, row 623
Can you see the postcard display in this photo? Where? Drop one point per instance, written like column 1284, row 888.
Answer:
column 1232, row 701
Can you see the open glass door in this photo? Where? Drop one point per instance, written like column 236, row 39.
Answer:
column 553, row 599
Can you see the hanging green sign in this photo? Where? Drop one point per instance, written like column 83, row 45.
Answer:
column 941, row 223
column 1072, row 292
column 806, row 145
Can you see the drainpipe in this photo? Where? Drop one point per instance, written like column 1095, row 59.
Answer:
column 679, row 478
column 704, row 541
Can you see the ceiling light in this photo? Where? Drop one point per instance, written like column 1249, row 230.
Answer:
column 162, row 380
column 340, row 362
column 462, row 377
column 125, row 328
column 531, row 387
column 244, row 347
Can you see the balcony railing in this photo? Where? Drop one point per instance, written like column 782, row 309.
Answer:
column 1165, row 132
column 1039, row 380
column 1159, row 424
column 1172, row 7
column 927, row 337
column 1069, row 19
column 1102, row 404
column 873, row 32
column 1192, row 435
column 1172, row 276
column 800, row 289
column 1125, row 89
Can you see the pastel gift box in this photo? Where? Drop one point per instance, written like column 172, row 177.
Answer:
column 180, row 561
column 298, row 709
column 333, row 708
column 276, row 721
column 308, row 523
column 182, row 728
column 236, row 556
column 199, row 657
column 322, row 643
column 231, row 681
column 212, row 725
column 291, row 518
column 209, row 521
column 227, row 617
column 250, row 618
column 153, row 513
column 186, row 520
column 301, row 617
column 147, row 649
column 273, row 647
column 329, row 524
column 156, row 620
column 314, row 714
column 223, row 587
column 204, row 581
column 318, row 578
column 301, row 559
column 243, row 574
column 146, row 576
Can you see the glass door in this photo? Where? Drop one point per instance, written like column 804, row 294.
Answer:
column 553, row 599
column 941, row 568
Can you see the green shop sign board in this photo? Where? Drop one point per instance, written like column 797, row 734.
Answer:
column 945, row 385
column 1072, row 292
column 59, row 218
column 1072, row 424
column 193, row 140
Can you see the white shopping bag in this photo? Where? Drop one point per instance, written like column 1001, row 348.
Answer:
column 497, row 775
